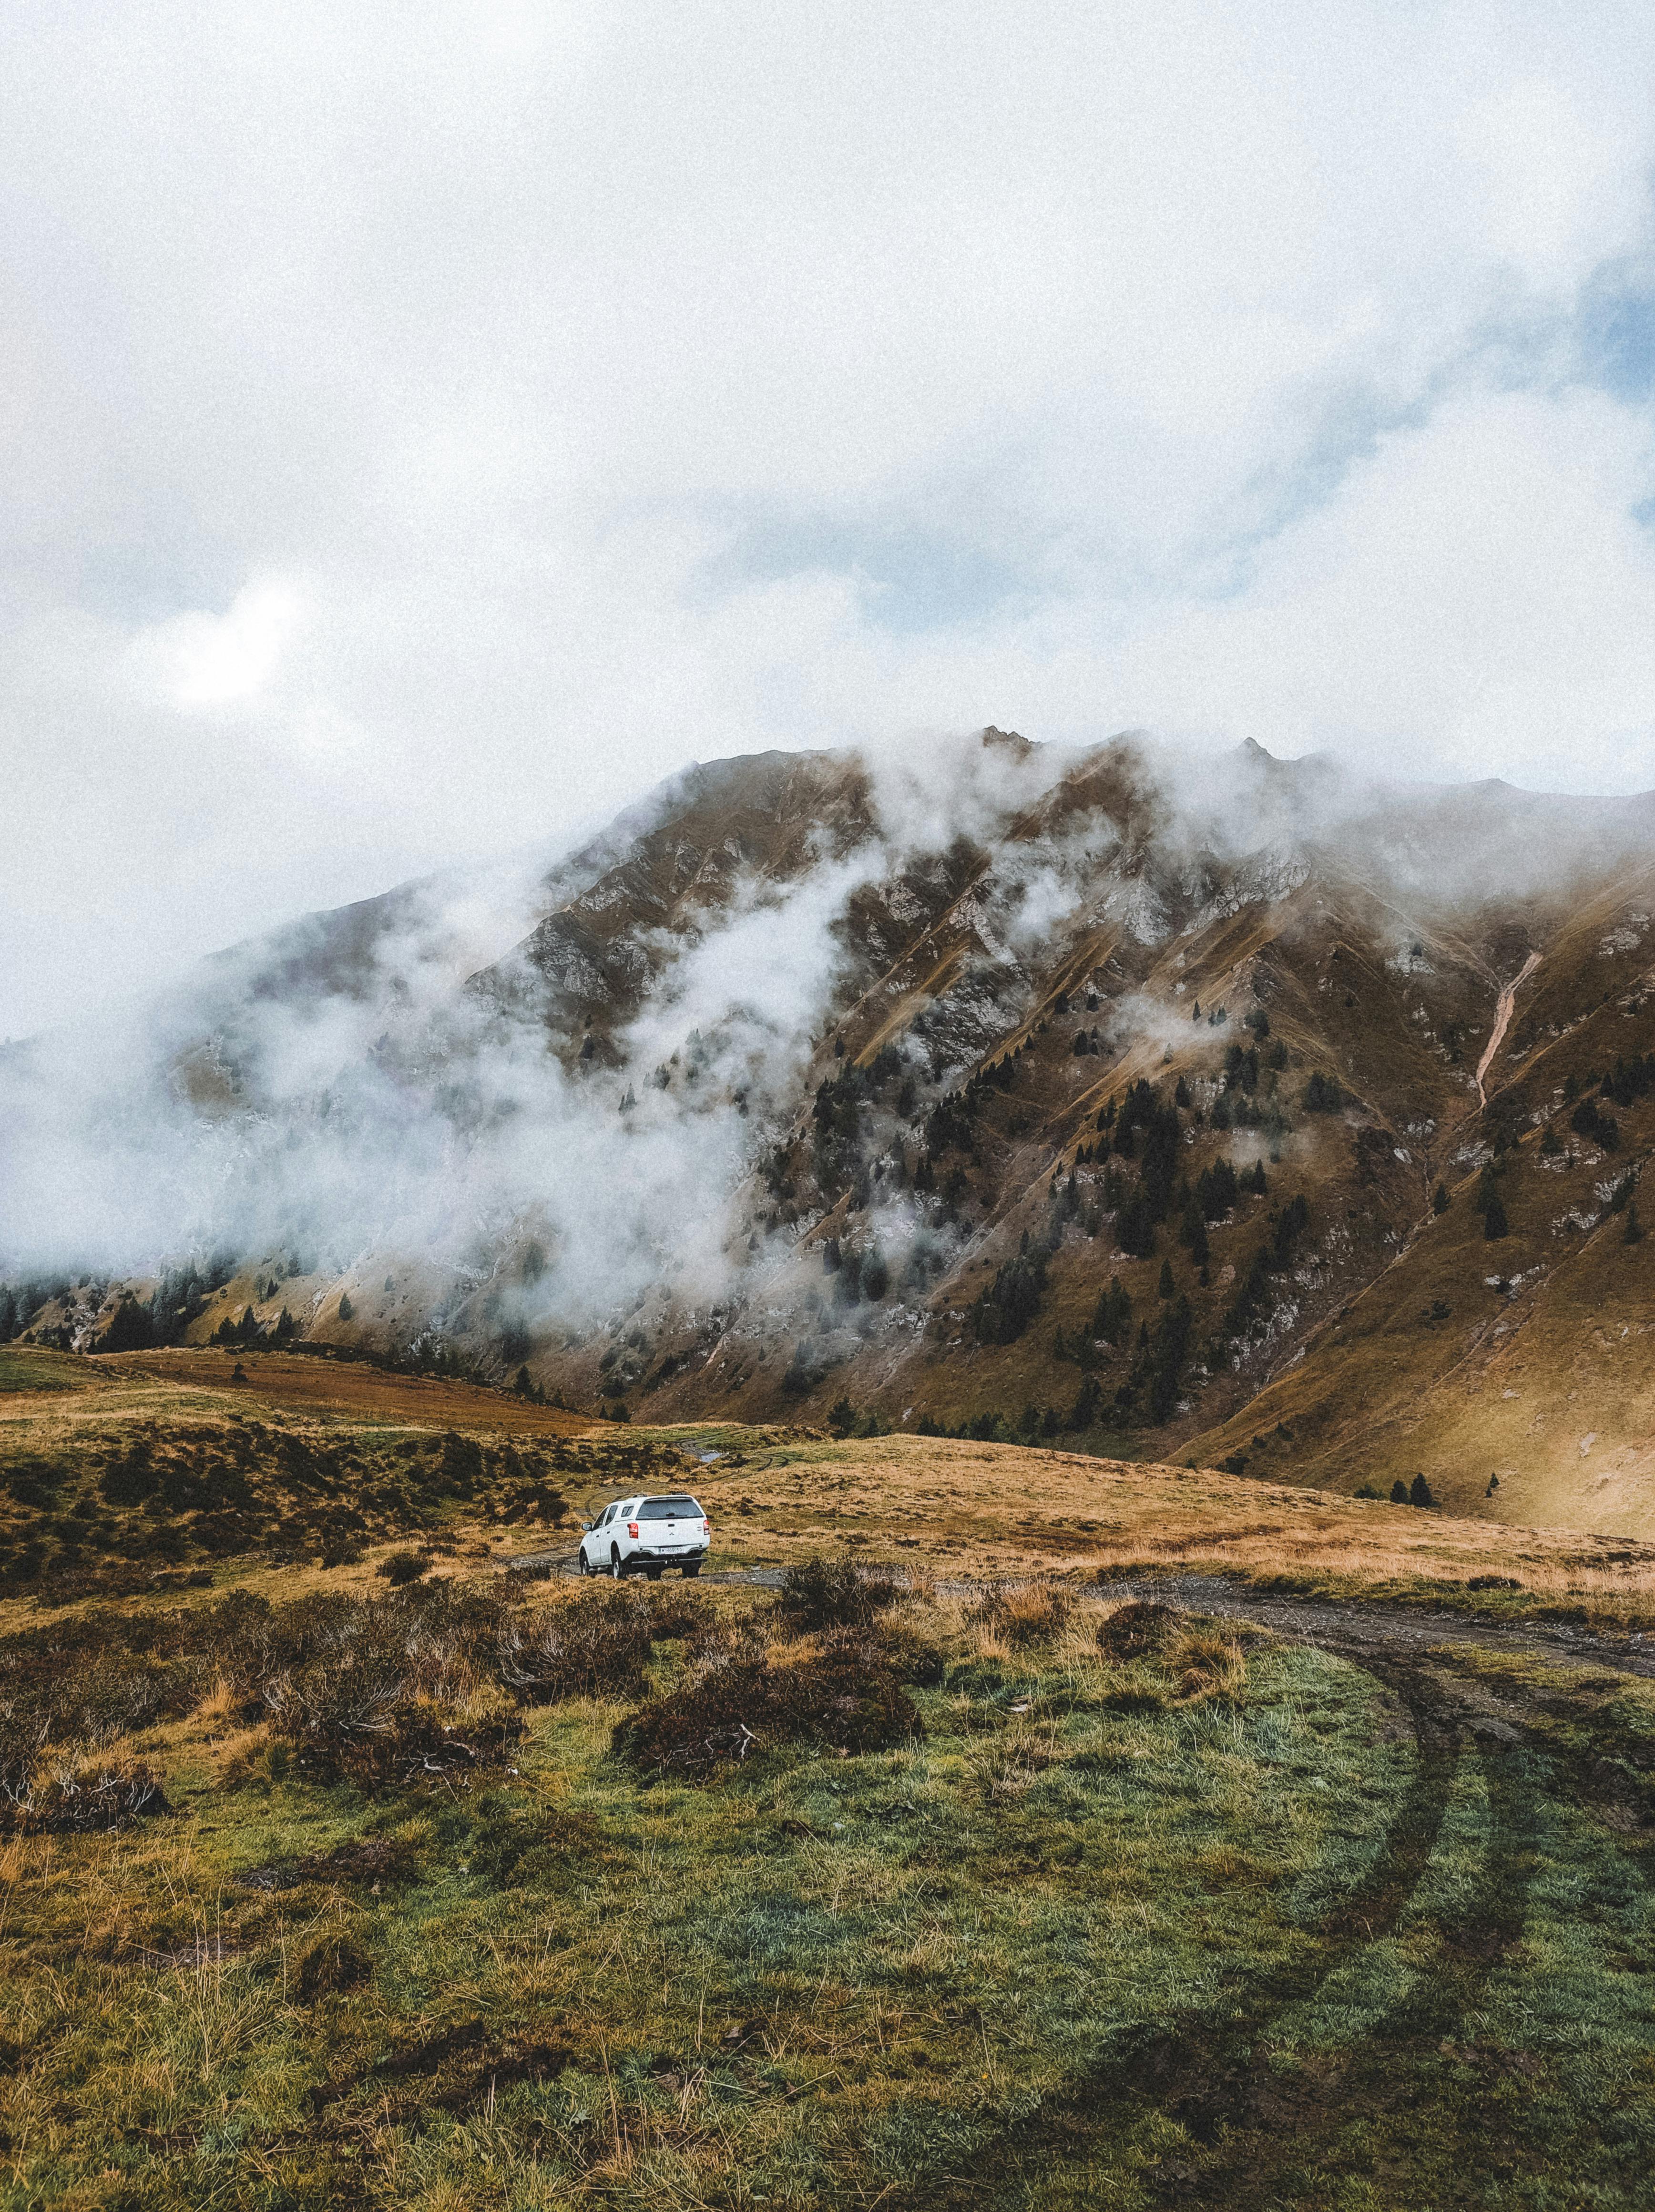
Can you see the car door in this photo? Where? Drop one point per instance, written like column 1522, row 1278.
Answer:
column 598, row 1542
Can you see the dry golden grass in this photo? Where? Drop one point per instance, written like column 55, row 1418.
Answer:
column 986, row 1511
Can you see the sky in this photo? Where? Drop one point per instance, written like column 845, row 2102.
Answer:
column 426, row 428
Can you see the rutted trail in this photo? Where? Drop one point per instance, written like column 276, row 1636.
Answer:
column 1502, row 1022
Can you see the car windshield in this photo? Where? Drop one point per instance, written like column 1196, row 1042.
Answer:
column 669, row 1509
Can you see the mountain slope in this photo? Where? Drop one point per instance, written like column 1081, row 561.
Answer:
column 1078, row 1094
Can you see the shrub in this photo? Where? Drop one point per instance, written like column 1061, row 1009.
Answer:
column 835, row 1594
column 93, row 1800
column 403, row 1568
column 1137, row 1630
column 676, row 1612
column 360, row 1725
column 420, row 1681
column 848, row 1697
column 597, row 1645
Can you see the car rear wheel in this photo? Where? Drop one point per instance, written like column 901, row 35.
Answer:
column 692, row 1568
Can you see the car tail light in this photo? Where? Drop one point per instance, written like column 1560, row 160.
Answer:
column 632, row 1531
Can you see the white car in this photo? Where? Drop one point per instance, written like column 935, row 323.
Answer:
column 641, row 1536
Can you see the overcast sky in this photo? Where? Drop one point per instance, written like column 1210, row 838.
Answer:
column 426, row 426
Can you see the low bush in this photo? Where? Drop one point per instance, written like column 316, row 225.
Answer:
column 847, row 1697
column 678, row 1614
column 590, row 1646
column 1137, row 1630
column 93, row 1800
column 823, row 1593
column 403, row 1568
column 360, row 1725
column 908, row 1656
column 379, row 1690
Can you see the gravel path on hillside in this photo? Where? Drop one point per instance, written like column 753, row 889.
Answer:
column 1402, row 1630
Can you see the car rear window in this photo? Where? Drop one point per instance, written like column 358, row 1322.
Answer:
column 669, row 1509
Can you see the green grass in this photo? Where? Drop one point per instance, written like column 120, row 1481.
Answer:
column 21, row 1368
column 1118, row 1949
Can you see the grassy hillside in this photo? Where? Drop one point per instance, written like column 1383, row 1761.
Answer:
column 1518, row 1356
column 118, row 1471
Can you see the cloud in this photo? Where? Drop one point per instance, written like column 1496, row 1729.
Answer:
column 205, row 660
column 414, row 440
column 1396, row 619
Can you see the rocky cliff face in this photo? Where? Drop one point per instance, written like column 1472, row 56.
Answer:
column 1091, row 1094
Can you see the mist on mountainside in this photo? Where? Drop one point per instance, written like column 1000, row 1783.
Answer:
column 819, row 1073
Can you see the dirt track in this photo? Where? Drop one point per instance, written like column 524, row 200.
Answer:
column 1405, row 1630
column 1407, row 1633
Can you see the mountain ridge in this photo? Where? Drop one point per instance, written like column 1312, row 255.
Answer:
column 804, row 1086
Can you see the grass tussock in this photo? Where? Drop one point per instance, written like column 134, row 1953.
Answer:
column 1023, row 1614
column 1206, row 1663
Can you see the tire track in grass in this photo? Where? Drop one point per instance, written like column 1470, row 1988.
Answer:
column 1274, row 2132
column 1195, row 2070
column 1419, row 2108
